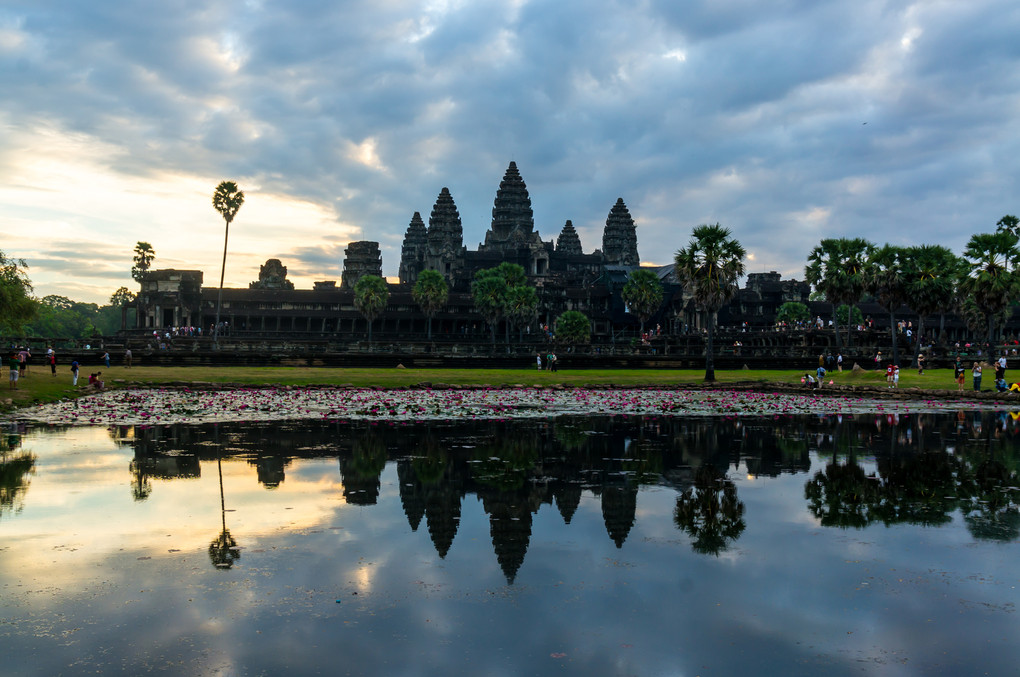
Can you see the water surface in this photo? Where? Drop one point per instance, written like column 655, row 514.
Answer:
column 867, row 544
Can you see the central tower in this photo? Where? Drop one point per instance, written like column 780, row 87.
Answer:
column 513, row 222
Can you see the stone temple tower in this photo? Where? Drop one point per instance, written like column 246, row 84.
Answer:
column 360, row 259
column 619, row 239
column 445, row 238
column 513, row 222
column 568, row 242
column 413, row 251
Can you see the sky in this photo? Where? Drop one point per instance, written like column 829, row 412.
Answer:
column 787, row 122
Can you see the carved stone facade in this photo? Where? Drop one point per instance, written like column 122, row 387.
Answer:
column 619, row 239
column 568, row 242
column 272, row 275
column 360, row 259
column 414, row 250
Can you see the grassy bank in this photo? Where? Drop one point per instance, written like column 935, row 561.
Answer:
column 40, row 386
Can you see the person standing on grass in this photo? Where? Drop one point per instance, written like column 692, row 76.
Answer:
column 975, row 372
column 920, row 364
column 958, row 374
column 1002, row 365
column 538, row 360
column 74, row 372
column 15, row 364
column 127, row 357
column 896, row 377
column 106, row 359
column 53, row 361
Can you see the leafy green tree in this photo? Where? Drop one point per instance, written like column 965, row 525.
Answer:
column 992, row 281
column 929, row 282
column 371, row 294
column 60, row 317
column 17, row 308
column 838, row 267
column 430, row 293
column 1008, row 224
column 227, row 200
column 710, row 512
column 122, row 297
column 144, row 255
column 643, row 294
column 521, row 306
column 849, row 315
column 793, row 312
column 573, row 327
column 710, row 267
column 886, row 282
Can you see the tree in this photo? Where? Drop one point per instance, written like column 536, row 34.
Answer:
column 573, row 327
column 839, row 269
column 122, row 297
column 1008, row 224
column 793, row 313
column 227, row 200
column 929, row 282
column 885, row 281
column 17, row 307
column 490, row 290
column 710, row 267
column 992, row 281
column 521, row 306
column 371, row 294
column 643, row 294
column 144, row 254
column 430, row 293
column 849, row 315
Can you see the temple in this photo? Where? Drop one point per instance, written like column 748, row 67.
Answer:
column 564, row 275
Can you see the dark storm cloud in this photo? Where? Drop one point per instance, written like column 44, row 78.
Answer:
column 752, row 114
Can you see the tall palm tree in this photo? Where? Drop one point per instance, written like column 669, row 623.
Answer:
column 521, row 307
column 430, row 293
column 839, row 269
column 992, row 282
column 709, row 267
column 227, row 200
column 886, row 282
column 643, row 294
column 929, row 282
column 144, row 255
column 371, row 294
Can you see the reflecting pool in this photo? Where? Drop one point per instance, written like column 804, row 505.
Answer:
column 628, row 545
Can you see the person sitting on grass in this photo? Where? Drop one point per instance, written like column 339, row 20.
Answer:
column 1000, row 385
column 95, row 381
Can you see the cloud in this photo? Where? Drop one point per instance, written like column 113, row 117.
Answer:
column 341, row 120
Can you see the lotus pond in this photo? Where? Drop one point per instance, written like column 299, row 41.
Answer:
column 499, row 540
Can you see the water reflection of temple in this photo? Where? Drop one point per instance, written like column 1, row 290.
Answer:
column 516, row 469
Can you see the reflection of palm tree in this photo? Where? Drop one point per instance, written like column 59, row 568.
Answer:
column 710, row 512
column 842, row 496
column 14, row 471
column 993, row 514
column 223, row 551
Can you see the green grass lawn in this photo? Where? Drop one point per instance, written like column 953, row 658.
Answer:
column 40, row 386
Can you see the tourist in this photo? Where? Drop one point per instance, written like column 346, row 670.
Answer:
column 896, row 377
column 975, row 372
column 52, row 356
column 839, row 362
column 821, row 373
column 958, row 374
column 1000, row 385
column 888, row 375
column 74, row 372
column 1002, row 365
column 920, row 364
column 106, row 359
column 878, row 360
column 809, row 381
column 538, row 360
column 23, row 357
column 95, row 381
column 127, row 358
column 552, row 362
column 15, row 365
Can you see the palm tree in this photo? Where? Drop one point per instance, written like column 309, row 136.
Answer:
column 992, row 282
column 430, row 293
column 521, row 306
column 643, row 294
column 710, row 267
column 227, row 200
column 929, row 282
column 886, row 282
column 371, row 294
column 839, row 269
column 144, row 254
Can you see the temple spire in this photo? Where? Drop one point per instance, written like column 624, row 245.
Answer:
column 619, row 239
column 568, row 242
